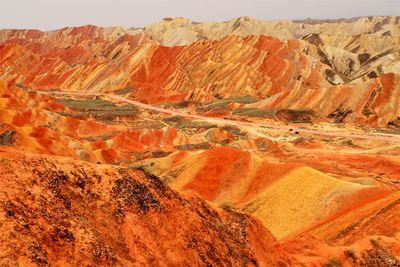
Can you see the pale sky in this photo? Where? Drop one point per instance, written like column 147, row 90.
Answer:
column 54, row 14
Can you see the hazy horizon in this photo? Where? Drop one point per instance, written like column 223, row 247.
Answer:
column 55, row 14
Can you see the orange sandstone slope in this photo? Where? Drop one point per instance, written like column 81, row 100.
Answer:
column 56, row 211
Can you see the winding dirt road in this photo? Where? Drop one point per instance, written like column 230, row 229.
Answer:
column 253, row 125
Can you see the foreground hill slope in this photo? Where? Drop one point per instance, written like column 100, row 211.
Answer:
column 55, row 211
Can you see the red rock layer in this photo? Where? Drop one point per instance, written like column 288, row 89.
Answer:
column 256, row 65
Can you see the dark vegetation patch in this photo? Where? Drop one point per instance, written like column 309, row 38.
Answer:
column 180, row 104
column 333, row 262
column 296, row 115
column 7, row 138
column 233, row 231
column 380, row 55
column 387, row 33
column 233, row 129
column 62, row 234
column 313, row 38
column 202, row 146
column 356, row 225
column 123, row 91
column 222, row 103
column 56, row 215
column 91, row 104
column 289, row 115
column 100, row 109
column 349, row 143
column 63, row 184
column 160, row 154
column 349, row 253
column 55, row 179
column 372, row 75
column 103, row 254
column 377, row 26
column 160, row 187
column 378, row 256
column 38, row 254
column 146, row 124
column 103, row 137
column 255, row 112
column 350, row 65
column 366, row 109
column 242, row 99
column 339, row 115
column 324, row 58
column 263, row 146
column 320, row 21
column 394, row 123
column 195, row 124
column 131, row 192
column 330, row 75
column 9, row 208
column 363, row 57
column 218, row 104
column 226, row 206
column 173, row 119
column 192, row 243
column 189, row 126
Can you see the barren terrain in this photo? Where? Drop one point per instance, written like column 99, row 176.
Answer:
column 239, row 143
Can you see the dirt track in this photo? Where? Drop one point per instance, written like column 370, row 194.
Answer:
column 255, row 126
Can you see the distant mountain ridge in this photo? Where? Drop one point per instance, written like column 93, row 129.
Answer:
column 177, row 59
column 182, row 31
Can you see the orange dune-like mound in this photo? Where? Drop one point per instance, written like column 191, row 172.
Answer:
column 286, row 197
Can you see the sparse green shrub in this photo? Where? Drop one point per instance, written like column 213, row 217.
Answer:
column 226, row 206
column 333, row 262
